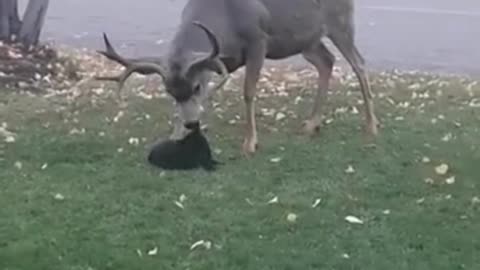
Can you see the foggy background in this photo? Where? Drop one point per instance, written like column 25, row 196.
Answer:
column 432, row 35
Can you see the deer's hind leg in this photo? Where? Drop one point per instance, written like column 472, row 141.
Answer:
column 323, row 60
column 344, row 41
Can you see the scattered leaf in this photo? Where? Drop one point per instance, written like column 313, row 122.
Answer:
column 280, row 116
column 353, row 220
column 450, row 180
column 328, row 121
column 291, row 217
column 59, row 197
column 429, row 181
column 133, row 141
column 10, row 139
column 276, row 160
column 441, row 169
column 206, row 244
column 153, row 251
column 447, row 137
column 273, row 200
column 316, row 203
column 354, row 110
column 350, row 169
column 179, row 204
column 18, row 165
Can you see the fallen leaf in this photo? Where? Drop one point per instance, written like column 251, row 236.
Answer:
column 249, row 201
column 10, row 139
column 273, row 200
column 450, row 180
column 275, row 160
column 18, row 165
column 179, row 204
column 328, row 121
column 291, row 217
column 153, row 251
column 133, row 141
column 316, row 203
column 353, row 220
column 59, row 197
column 441, row 169
column 280, row 116
column 447, row 137
column 206, row 244
column 429, row 181
column 354, row 110
column 350, row 169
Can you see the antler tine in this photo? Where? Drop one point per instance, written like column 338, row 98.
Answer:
column 130, row 69
column 211, row 37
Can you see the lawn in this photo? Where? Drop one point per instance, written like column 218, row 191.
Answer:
column 76, row 191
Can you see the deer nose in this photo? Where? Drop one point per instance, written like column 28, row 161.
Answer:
column 192, row 125
column 182, row 97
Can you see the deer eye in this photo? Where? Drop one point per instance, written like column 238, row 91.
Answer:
column 196, row 89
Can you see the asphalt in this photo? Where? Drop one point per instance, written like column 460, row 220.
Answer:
column 430, row 35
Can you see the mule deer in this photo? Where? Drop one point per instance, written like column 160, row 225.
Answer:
column 220, row 36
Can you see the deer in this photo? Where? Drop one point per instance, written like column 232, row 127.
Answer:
column 218, row 37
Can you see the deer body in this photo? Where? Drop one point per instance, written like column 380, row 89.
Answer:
column 220, row 36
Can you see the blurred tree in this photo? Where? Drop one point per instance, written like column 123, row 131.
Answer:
column 26, row 31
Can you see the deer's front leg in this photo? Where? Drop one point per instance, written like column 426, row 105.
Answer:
column 254, row 63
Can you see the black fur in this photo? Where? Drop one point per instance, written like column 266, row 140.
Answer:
column 189, row 153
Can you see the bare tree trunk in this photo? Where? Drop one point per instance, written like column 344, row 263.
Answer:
column 33, row 21
column 9, row 21
column 15, row 22
column 4, row 20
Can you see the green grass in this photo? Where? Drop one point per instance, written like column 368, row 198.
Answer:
column 116, row 207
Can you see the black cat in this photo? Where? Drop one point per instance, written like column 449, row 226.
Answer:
column 191, row 152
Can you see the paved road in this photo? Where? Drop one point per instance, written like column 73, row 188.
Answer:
column 434, row 35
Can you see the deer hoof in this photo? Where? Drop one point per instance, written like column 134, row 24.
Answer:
column 311, row 127
column 372, row 127
column 249, row 147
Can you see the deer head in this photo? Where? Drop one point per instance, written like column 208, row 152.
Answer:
column 185, row 77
